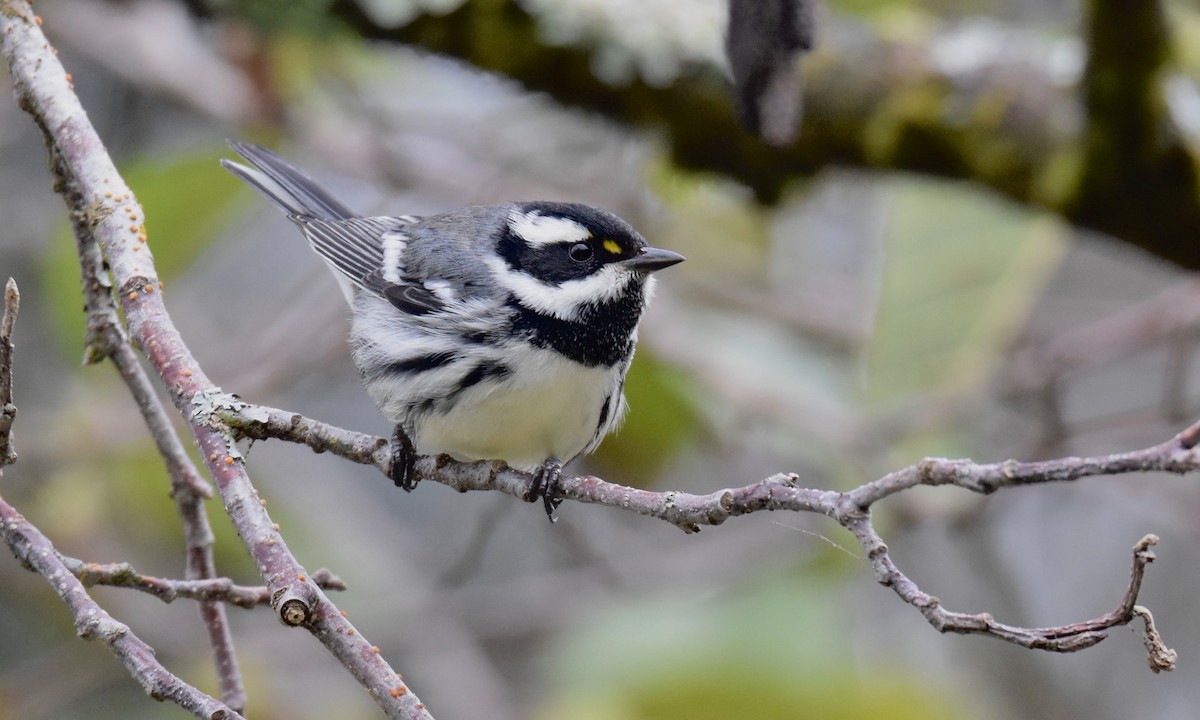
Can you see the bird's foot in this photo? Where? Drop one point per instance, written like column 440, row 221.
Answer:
column 545, row 486
column 404, row 457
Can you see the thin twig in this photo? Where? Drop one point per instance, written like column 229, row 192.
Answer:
column 207, row 590
column 37, row 553
column 8, row 411
column 1170, row 313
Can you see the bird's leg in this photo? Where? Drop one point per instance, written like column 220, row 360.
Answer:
column 545, row 486
column 404, row 456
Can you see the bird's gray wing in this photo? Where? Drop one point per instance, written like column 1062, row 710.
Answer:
column 370, row 253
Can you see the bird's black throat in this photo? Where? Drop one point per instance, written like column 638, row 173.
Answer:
column 601, row 334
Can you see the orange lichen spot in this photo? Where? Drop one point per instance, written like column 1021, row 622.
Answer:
column 160, row 285
column 375, row 649
column 69, row 78
column 134, row 229
column 37, row 19
column 150, row 289
column 262, row 501
column 420, row 706
column 275, row 527
column 133, row 296
column 136, row 248
column 212, row 458
column 129, row 209
column 153, row 343
column 270, row 541
column 133, row 216
column 186, row 373
column 109, row 193
column 343, row 613
column 301, row 577
column 228, row 459
column 142, row 236
column 396, row 692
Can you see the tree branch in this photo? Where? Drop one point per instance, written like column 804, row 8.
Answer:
column 851, row 509
column 106, row 338
column 98, row 196
column 37, row 553
column 1173, row 312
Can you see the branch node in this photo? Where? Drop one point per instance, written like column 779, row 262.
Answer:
column 294, row 603
column 327, row 580
column 1190, row 437
column 1142, row 548
column 1158, row 655
column 294, row 612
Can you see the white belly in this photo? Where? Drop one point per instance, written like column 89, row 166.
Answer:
column 548, row 407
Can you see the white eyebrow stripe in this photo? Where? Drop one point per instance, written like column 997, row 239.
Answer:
column 537, row 229
column 394, row 244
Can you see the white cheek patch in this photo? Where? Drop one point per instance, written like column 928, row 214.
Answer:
column 564, row 299
column 648, row 288
column 394, row 244
column 537, row 229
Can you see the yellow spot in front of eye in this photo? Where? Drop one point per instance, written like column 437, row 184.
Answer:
column 612, row 247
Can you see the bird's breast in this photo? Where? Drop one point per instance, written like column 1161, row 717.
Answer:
column 545, row 406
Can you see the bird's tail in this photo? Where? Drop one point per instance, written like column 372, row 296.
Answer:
column 284, row 184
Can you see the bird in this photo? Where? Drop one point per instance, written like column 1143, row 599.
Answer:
column 493, row 332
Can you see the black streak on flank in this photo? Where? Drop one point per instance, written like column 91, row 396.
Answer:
column 604, row 410
column 419, row 364
column 481, row 372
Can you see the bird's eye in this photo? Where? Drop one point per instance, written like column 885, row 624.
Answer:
column 580, row 252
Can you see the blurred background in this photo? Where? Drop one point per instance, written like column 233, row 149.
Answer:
column 979, row 247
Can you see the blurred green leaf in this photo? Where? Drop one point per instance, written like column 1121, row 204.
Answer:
column 786, row 657
column 276, row 16
column 661, row 419
column 962, row 274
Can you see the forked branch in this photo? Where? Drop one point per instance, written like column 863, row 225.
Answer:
column 851, row 509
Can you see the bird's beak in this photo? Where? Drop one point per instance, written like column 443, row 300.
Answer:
column 652, row 259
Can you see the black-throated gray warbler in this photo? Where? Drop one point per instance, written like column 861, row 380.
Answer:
column 499, row 332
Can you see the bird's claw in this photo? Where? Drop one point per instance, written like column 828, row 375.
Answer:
column 545, row 486
column 404, row 457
